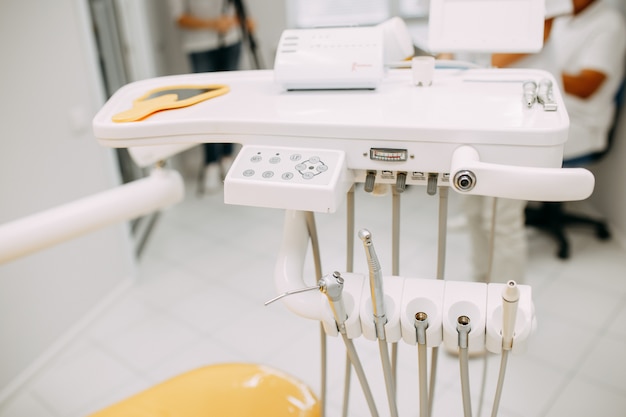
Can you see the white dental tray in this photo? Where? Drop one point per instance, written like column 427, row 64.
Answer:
column 482, row 108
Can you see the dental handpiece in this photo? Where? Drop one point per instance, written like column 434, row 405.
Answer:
column 380, row 318
column 530, row 92
column 376, row 284
column 332, row 286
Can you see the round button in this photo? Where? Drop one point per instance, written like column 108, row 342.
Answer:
column 308, row 175
column 287, row 175
column 248, row 173
column 268, row 174
column 322, row 168
column 256, row 158
column 314, row 159
column 295, row 157
column 300, row 167
column 274, row 160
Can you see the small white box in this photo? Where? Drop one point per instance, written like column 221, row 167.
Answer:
column 288, row 178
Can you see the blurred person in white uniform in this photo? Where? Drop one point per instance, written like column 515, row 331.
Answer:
column 212, row 39
column 586, row 53
column 585, row 49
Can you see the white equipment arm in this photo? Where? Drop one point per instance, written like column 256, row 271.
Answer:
column 41, row 230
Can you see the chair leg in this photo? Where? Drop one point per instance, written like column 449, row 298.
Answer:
column 548, row 217
column 557, row 227
column 552, row 218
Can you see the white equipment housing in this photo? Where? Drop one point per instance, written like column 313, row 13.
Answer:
column 468, row 120
column 330, row 58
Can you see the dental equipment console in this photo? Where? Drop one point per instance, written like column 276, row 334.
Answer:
column 474, row 131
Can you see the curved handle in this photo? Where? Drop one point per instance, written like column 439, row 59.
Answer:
column 469, row 175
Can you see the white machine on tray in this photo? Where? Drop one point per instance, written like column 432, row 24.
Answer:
column 332, row 58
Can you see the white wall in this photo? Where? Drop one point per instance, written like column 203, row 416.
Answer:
column 48, row 156
column 609, row 197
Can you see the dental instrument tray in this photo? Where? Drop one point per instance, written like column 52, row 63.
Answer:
column 481, row 108
column 471, row 128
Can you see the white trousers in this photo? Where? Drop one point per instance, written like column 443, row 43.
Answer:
column 510, row 251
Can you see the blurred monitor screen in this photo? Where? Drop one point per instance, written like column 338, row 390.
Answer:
column 486, row 25
column 329, row 13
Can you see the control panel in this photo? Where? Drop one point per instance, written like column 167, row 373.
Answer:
column 288, row 178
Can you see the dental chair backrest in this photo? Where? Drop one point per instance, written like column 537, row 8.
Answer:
column 225, row 390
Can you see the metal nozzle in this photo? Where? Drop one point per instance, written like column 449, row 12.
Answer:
column 431, row 185
column 464, row 180
column 401, row 182
column 421, row 324
column 463, row 328
column 370, row 180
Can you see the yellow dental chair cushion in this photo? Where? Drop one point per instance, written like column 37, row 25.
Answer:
column 224, row 390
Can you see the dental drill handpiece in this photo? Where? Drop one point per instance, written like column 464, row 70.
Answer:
column 530, row 92
column 332, row 286
column 380, row 318
column 376, row 284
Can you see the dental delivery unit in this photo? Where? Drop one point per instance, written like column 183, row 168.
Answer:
column 309, row 145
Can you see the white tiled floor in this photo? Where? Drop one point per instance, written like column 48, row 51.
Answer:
column 208, row 269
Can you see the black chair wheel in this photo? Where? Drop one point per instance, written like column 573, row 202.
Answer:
column 603, row 232
column 563, row 252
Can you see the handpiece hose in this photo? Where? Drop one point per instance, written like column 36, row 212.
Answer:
column 332, row 286
column 510, row 300
column 380, row 318
column 463, row 329
column 421, row 324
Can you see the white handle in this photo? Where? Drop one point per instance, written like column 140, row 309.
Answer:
column 471, row 176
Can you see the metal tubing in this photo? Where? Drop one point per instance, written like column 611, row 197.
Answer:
column 388, row 375
column 317, row 261
column 349, row 268
column 441, row 262
column 358, row 369
column 421, row 324
column 395, row 266
column 463, row 328
column 501, row 374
